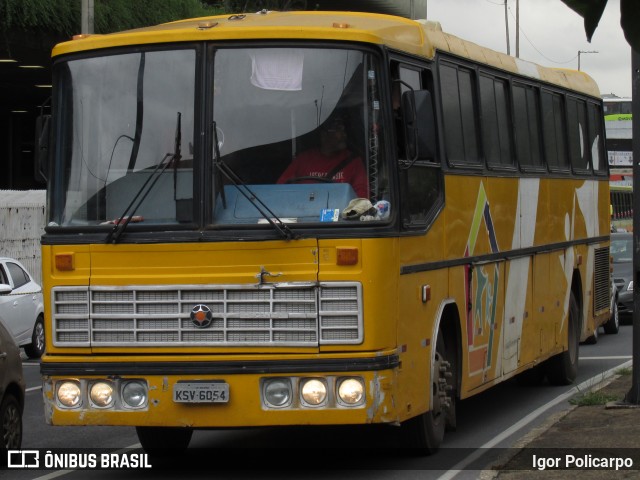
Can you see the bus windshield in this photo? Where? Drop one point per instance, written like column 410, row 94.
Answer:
column 291, row 134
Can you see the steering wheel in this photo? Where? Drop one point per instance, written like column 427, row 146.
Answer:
column 309, row 177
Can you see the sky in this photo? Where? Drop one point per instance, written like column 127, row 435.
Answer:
column 551, row 34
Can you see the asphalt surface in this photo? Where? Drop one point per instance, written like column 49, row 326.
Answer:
column 587, row 441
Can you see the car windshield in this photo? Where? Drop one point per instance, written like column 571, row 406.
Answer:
column 287, row 135
column 622, row 249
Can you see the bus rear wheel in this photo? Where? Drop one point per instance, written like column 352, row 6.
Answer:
column 425, row 433
column 563, row 368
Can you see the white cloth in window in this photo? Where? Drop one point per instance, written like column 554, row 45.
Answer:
column 277, row 70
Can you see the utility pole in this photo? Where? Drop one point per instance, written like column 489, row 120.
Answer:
column 506, row 23
column 633, row 397
column 581, row 51
column 517, row 28
column 86, row 23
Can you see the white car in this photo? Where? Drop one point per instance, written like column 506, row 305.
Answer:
column 21, row 307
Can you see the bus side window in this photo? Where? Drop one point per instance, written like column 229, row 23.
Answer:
column 420, row 181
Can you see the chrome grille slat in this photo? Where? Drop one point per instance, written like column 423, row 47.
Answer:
column 243, row 315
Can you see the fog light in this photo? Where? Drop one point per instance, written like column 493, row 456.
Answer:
column 314, row 391
column 69, row 394
column 134, row 394
column 277, row 392
column 101, row 394
column 351, row 391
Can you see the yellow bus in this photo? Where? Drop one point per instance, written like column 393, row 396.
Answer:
column 208, row 263
column 621, row 208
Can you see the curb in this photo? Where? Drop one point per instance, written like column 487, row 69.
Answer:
column 524, row 441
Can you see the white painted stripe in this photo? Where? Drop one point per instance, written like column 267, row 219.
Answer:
column 55, row 474
column 584, row 386
column 615, row 357
column 31, row 389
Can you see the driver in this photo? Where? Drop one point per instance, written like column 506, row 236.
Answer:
column 331, row 161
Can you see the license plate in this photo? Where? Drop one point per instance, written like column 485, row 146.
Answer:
column 201, row 392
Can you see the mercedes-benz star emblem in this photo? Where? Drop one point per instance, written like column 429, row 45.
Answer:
column 201, row 316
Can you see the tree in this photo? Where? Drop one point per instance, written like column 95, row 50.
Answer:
column 63, row 16
column 591, row 11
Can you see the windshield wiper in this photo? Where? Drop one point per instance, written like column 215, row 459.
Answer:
column 277, row 224
column 123, row 221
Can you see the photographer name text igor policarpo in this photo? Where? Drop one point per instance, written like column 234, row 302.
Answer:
column 587, row 462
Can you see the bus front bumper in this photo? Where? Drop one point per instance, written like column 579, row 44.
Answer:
column 212, row 395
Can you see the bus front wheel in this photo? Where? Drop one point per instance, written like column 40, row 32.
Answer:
column 425, row 433
column 165, row 441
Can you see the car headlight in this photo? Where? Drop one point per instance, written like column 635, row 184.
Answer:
column 101, row 394
column 630, row 286
column 69, row 394
column 134, row 394
column 351, row 391
column 277, row 392
column 314, row 391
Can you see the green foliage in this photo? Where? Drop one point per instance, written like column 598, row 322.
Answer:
column 115, row 15
column 593, row 398
column 624, row 371
column 50, row 15
column 237, row 6
column 63, row 16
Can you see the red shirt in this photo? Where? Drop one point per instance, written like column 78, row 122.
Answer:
column 313, row 164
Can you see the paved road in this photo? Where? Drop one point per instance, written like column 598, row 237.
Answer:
column 494, row 419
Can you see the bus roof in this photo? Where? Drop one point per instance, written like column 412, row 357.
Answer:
column 417, row 37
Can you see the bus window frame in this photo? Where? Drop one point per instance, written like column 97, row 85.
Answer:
column 492, row 166
column 566, row 169
column 576, row 170
column 535, row 89
column 396, row 62
column 539, row 86
column 480, row 165
column 600, row 129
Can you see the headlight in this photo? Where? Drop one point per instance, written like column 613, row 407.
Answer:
column 314, row 391
column 630, row 286
column 351, row 391
column 101, row 394
column 134, row 394
column 69, row 394
column 277, row 392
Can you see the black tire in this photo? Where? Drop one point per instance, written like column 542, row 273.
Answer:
column 424, row 434
column 613, row 324
column 164, row 441
column 36, row 348
column 562, row 369
column 532, row 377
column 10, row 424
column 593, row 339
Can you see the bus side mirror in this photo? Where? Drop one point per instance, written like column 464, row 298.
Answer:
column 41, row 155
column 419, row 124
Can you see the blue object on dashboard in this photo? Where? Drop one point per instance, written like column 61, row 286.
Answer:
column 296, row 203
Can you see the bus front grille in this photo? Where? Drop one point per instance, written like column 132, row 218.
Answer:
column 287, row 314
